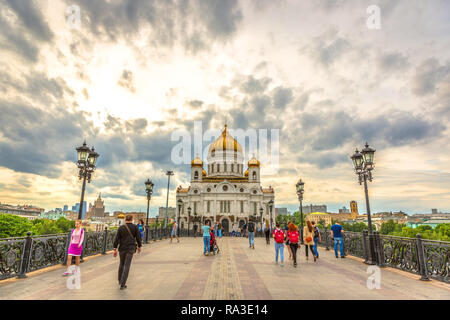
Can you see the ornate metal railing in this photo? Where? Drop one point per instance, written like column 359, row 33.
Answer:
column 428, row 258
column 11, row 256
column 21, row 255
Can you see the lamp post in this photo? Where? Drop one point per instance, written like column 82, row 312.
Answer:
column 168, row 173
column 149, row 190
column 180, row 205
column 300, row 186
column 363, row 163
column 87, row 159
column 189, row 218
column 270, row 210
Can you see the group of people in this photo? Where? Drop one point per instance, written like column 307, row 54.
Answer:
column 128, row 239
column 291, row 238
column 311, row 237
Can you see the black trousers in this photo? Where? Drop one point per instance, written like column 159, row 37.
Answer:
column 311, row 248
column 267, row 232
column 294, row 247
column 124, row 266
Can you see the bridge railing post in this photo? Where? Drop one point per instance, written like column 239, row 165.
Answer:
column 364, row 246
column 69, row 236
column 146, row 235
column 105, row 241
column 421, row 259
column 25, row 256
column 326, row 240
column 379, row 250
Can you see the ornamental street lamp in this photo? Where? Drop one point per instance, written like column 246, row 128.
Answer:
column 195, row 218
column 87, row 158
column 189, row 218
column 149, row 190
column 300, row 186
column 270, row 210
column 168, row 173
column 363, row 163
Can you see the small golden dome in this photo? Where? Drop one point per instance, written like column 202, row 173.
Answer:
column 253, row 162
column 121, row 216
column 225, row 142
column 197, row 162
column 203, row 172
column 246, row 173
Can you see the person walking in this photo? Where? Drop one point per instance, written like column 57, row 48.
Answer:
column 128, row 239
column 336, row 235
column 75, row 248
column 141, row 228
column 195, row 230
column 267, row 231
column 308, row 239
column 317, row 238
column 174, row 232
column 251, row 234
column 219, row 230
column 278, row 236
column 286, row 229
column 293, row 236
column 206, row 237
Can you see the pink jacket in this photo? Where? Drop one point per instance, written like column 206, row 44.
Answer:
column 77, row 238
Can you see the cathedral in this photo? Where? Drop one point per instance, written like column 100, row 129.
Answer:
column 225, row 193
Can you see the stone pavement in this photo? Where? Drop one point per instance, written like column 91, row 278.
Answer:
column 180, row 271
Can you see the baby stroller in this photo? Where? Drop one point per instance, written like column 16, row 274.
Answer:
column 213, row 247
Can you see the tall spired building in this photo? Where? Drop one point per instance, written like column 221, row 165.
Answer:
column 225, row 194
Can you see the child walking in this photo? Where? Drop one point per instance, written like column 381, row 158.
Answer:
column 75, row 248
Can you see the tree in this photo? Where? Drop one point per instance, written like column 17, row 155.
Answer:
column 13, row 226
column 64, row 224
column 45, row 226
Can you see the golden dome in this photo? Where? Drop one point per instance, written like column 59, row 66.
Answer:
column 225, row 142
column 121, row 216
column 253, row 162
column 197, row 162
column 203, row 172
column 246, row 173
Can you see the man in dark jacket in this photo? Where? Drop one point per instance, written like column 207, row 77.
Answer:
column 126, row 238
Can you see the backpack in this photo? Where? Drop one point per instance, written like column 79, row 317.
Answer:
column 293, row 237
column 251, row 227
column 279, row 236
column 316, row 233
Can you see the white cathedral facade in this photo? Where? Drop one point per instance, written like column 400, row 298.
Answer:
column 225, row 194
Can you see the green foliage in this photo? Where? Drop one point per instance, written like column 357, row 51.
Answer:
column 64, row 224
column 354, row 227
column 13, row 226
column 16, row 226
column 45, row 226
column 390, row 227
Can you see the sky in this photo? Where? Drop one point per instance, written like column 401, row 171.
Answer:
column 125, row 75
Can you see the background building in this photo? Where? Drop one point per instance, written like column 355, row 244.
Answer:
column 225, row 193
column 314, row 208
column 170, row 213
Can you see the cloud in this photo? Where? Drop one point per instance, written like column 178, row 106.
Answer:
column 126, row 81
column 329, row 47
column 30, row 16
column 194, row 25
column 428, row 75
column 393, row 61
